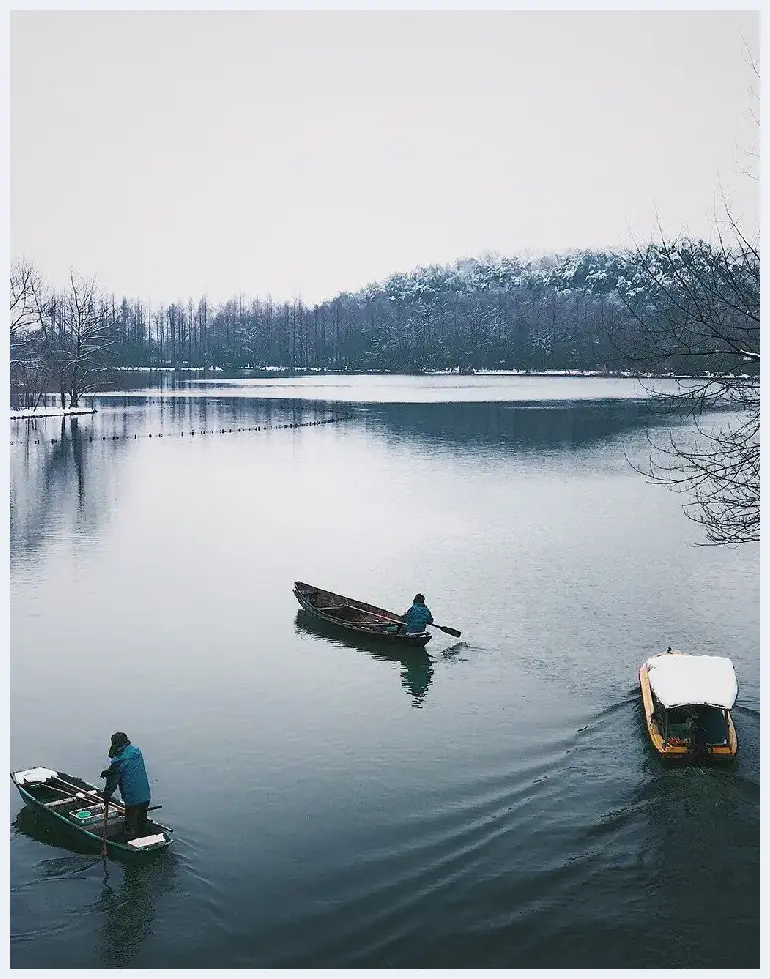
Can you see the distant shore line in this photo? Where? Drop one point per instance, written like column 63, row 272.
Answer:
column 52, row 411
column 43, row 412
column 334, row 371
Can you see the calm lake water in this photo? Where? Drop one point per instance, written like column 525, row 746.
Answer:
column 493, row 802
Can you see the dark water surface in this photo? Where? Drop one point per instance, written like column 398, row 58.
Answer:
column 491, row 802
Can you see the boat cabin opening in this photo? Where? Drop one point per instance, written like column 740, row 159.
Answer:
column 697, row 726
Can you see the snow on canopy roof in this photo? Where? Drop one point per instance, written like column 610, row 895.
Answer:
column 680, row 678
column 35, row 775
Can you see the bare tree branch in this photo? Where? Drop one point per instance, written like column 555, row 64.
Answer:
column 697, row 307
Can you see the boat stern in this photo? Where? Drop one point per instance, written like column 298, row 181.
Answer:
column 691, row 731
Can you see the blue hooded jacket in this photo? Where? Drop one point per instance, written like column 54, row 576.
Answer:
column 128, row 773
column 417, row 618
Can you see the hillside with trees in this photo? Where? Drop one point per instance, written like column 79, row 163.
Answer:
column 582, row 311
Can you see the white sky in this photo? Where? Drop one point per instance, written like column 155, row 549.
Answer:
column 302, row 153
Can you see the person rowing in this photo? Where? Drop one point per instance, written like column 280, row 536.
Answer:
column 418, row 616
column 127, row 772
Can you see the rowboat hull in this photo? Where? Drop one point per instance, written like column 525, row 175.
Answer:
column 59, row 807
column 679, row 748
column 358, row 617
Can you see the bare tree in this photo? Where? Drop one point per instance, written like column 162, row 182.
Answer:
column 249, row 335
column 25, row 284
column 28, row 366
column 708, row 300
column 697, row 307
column 76, row 335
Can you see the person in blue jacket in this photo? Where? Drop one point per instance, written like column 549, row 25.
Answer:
column 128, row 773
column 418, row 616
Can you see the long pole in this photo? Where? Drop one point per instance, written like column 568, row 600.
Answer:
column 104, row 829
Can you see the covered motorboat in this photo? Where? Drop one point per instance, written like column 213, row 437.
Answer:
column 688, row 700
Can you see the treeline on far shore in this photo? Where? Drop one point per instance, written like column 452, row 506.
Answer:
column 599, row 311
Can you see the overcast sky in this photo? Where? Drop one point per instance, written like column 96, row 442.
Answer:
column 176, row 154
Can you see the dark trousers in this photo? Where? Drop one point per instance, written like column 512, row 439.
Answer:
column 136, row 820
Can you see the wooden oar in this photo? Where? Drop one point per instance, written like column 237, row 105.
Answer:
column 70, row 786
column 93, row 792
column 446, row 628
column 90, row 795
column 388, row 618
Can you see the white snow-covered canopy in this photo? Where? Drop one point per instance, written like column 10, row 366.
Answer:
column 680, row 678
column 34, row 775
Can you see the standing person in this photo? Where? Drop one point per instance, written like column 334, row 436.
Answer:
column 418, row 616
column 128, row 773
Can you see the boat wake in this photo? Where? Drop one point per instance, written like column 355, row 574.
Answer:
column 454, row 651
column 60, row 868
column 745, row 709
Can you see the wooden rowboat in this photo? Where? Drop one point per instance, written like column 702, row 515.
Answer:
column 347, row 613
column 688, row 701
column 79, row 806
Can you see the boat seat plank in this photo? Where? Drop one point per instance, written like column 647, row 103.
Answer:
column 60, row 802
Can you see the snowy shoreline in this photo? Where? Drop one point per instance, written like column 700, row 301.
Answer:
column 49, row 412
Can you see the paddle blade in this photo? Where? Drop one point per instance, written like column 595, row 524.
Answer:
column 449, row 630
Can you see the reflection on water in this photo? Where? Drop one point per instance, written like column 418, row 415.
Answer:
column 56, row 486
column 125, row 907
column 518, row 427
column 128, row 907
column 35, row 826
column 430, row 388
column 65, row 472
column 417, row 675
column 417, row 672
column 519, row 819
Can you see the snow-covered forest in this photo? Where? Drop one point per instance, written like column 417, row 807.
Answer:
column 684, row 307
column 588, row 310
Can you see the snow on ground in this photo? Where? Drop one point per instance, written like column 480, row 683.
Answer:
column 49, row 412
